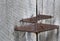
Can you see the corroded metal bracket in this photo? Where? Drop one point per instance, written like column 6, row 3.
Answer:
column 37, row 27
column 33, row 19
